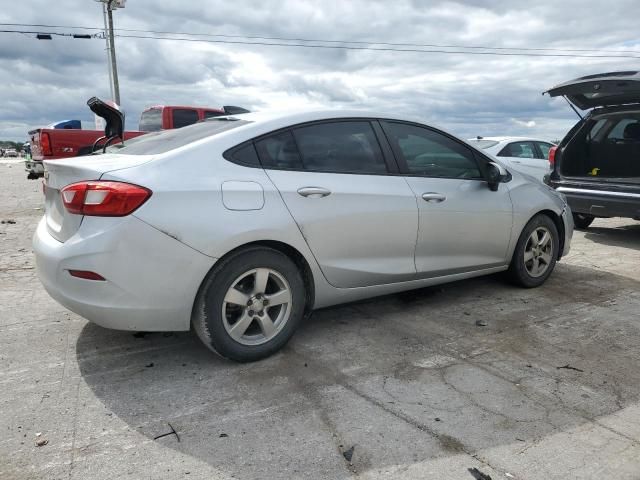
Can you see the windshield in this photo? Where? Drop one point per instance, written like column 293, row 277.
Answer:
column 483, row 143
column 165, row 140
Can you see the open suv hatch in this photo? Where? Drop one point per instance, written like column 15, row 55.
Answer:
column 597, row 164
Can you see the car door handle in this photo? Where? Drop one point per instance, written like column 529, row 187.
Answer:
column 516, row 161
column 433, row 197
column 314, row 192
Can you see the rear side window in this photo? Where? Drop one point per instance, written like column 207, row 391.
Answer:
column 340, row 147
column 183, row 117
column 151, row 120
column 279, row 151
column 544, row 149
column 429, row 153
column 166, row 140
column 243, row 155
column 623, row 130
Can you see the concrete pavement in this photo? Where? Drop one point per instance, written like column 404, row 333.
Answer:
column 403, row 386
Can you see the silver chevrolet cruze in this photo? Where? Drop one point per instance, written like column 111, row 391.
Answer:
column 239, row 226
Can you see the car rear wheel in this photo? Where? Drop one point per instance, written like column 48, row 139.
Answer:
column 250, row 304
column 536, row 252
column 582, row 220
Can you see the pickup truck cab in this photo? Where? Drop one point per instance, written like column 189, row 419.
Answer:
column 52, row 143
column 596, row 166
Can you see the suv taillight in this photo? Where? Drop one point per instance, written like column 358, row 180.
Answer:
column 45, row 144
column 103, row 199
column 552, row 155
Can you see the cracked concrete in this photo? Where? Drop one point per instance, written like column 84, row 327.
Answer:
column 408, row 380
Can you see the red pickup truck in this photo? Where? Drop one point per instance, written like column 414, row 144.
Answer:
column 50, row 143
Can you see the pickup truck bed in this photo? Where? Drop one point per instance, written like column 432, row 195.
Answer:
column 50, row 144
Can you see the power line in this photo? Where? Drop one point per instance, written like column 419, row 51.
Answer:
column 343, row 47
column 315, row 40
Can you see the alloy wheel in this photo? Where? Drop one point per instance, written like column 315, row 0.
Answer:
column 256, row 306
column 538, row 252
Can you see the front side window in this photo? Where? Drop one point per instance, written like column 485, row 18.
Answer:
column 340, row 147
column 519, row 150
column 429, row 153
column 183, row 117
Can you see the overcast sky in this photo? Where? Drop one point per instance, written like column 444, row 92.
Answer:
column 46, row 81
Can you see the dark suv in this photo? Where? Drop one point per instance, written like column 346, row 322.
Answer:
column 597, row 164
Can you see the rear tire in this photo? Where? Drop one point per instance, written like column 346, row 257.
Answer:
column 536, row 252
column 250, row 304
column 582, row 220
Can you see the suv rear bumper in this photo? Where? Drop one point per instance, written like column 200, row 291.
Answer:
column 602, row 203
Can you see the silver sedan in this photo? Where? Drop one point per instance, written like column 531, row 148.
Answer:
column 239, row 226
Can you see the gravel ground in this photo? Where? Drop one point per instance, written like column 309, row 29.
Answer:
column 403, row 386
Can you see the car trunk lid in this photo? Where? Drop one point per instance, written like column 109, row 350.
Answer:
column 599, row 90
column 62, row 224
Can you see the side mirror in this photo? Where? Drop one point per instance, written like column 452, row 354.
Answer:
column 495, row 173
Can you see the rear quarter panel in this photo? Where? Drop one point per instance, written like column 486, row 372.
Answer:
column 187, row 203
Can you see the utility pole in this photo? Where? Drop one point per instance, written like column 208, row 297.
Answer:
column 106, row 37
column 112, row 55
column 108, row 6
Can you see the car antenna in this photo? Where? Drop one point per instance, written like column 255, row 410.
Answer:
column 572, row 107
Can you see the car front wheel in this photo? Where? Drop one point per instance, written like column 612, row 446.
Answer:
column 250, row 304
column 536, row 253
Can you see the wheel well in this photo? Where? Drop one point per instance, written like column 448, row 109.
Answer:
column 559, row 225
column 294, row 255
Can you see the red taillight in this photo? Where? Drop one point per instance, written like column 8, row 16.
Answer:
column 103, row 199
column 45, row 144
column 552, row 155
column 86, row 275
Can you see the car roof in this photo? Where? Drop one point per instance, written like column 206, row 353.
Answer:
column 508, row 139
column 263, row 122
column 290, row 117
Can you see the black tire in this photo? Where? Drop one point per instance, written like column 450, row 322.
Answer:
column 582, row 220
column 208, row 321
column 518, row 272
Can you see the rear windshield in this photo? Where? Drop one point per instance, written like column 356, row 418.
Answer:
column 166, row 140
column 483, row 143
column 151, row 120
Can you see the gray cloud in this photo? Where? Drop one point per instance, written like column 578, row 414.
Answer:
column 46, row 81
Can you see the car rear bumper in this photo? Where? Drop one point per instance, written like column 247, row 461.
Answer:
column 151, row 278
column 602, row 203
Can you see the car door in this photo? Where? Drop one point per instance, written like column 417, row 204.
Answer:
column 359, row 222
column 463, row 225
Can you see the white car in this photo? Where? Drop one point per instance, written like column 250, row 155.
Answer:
column 523, row 154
